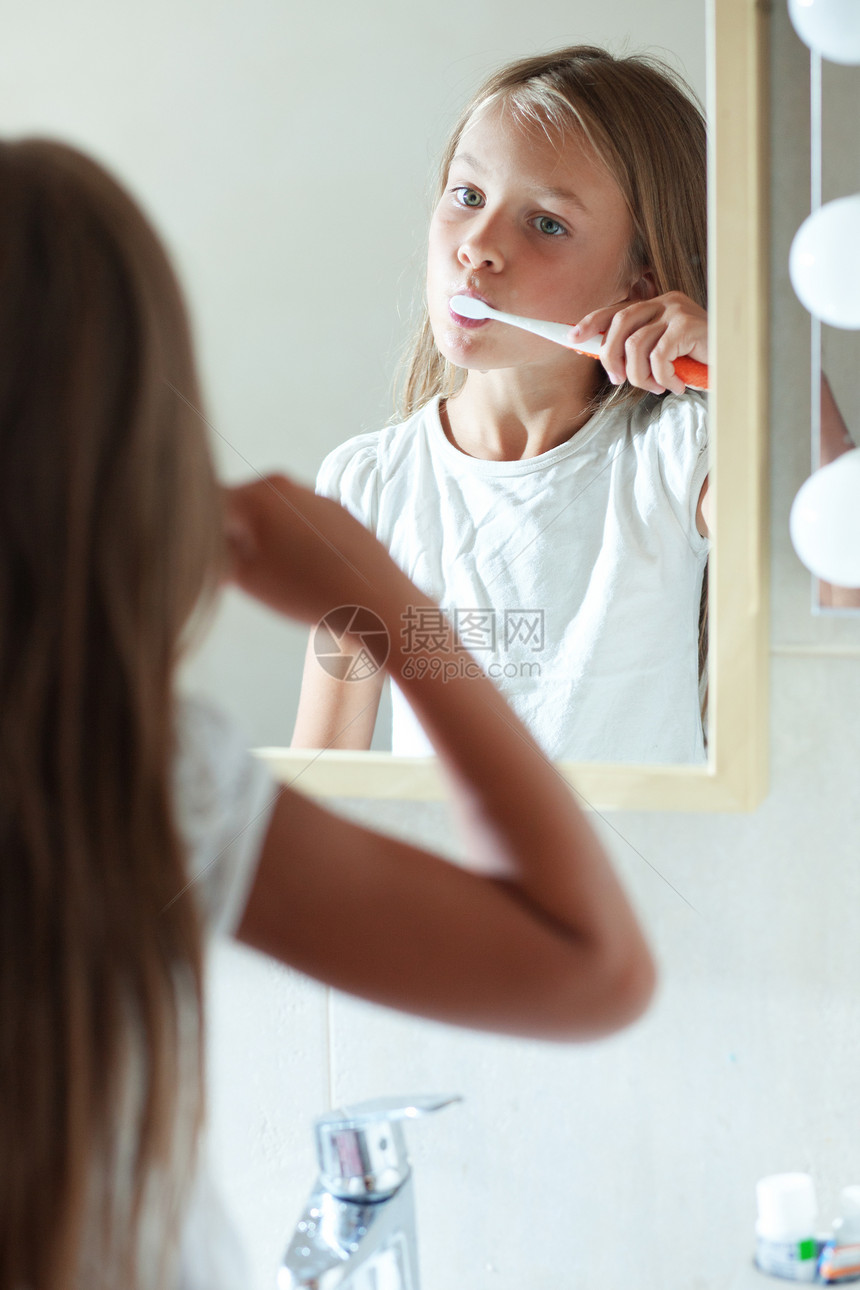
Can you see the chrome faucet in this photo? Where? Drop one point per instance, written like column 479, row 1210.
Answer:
column 357, row 1230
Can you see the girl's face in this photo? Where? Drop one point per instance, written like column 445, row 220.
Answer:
column 532, row 223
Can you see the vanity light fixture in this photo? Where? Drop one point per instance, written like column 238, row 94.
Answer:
column 824, row 263
column 825, row 521
column 831, row 28
column 824, row 266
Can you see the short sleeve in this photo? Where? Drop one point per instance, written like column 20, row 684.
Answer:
column 350, row 475
column 223, row 799
column 682, row 448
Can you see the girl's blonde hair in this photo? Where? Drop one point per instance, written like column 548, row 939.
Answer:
column 109, row 532
column 643, row 123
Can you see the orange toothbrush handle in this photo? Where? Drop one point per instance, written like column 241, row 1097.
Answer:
column 692, row 372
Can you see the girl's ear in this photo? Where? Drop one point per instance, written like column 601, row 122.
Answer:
column 643, row 288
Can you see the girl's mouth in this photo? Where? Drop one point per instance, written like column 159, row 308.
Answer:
column 467, row 322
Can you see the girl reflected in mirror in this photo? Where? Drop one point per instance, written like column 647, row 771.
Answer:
column 556, row 506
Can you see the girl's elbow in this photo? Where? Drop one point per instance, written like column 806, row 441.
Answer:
column 631, row 988
column 619, row 990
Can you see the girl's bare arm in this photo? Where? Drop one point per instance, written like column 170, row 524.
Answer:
column 336, row 713
column 548, row 945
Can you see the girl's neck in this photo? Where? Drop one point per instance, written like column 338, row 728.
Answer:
column 509, row 415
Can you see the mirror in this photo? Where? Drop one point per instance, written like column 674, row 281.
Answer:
column 734, row 777
column 286, row 157
column 733, row 774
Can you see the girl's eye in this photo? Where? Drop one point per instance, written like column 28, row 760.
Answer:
column 550, row 226
column 468, row 197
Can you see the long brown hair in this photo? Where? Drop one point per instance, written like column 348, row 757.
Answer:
column 643, row 122
column 109, row 532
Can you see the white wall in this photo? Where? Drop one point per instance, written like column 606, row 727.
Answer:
column 632, row 1163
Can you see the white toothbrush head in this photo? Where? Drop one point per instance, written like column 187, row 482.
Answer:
column 470, row 307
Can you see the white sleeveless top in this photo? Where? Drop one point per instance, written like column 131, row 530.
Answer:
column 574, row 577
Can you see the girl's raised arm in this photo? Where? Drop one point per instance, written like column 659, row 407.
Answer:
column 537, row 938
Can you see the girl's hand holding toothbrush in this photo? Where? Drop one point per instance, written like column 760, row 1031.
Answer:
column 642, row 339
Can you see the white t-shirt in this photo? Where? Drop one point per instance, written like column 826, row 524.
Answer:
column 574, row 577
column 223, row 799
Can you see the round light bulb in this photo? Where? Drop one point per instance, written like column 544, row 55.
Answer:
column 825, row 521
column 824, row 262
column 830, row 27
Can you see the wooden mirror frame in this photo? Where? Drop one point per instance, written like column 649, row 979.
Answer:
column 735, row 776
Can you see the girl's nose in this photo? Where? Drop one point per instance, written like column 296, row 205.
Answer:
column 481, row 249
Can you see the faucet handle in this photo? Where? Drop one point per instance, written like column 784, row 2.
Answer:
column 385, row 1108
column 362, row 1150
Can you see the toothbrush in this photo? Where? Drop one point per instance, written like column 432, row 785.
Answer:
column 690, row 370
